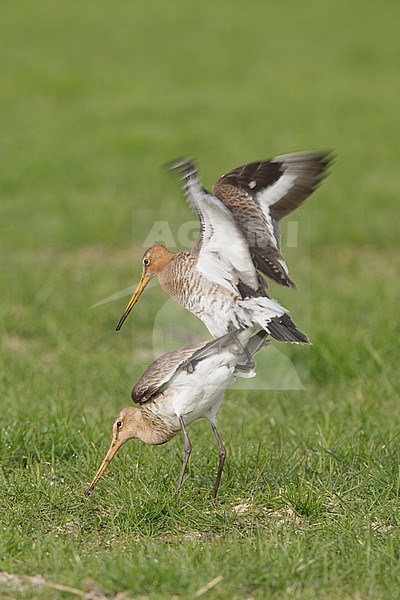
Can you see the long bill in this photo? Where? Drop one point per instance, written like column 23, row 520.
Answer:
column 144, row 280
column 115, row 445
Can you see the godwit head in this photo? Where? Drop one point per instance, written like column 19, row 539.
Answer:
column 155, row 259
column 127, row 425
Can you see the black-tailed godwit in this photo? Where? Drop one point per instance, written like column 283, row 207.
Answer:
column 219, row 278
column 180, row 387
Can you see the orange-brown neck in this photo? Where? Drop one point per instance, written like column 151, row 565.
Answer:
column 177, row 277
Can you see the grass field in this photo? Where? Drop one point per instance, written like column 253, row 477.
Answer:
column 95, row 96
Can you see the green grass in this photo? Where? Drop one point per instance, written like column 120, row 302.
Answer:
column 95, row 96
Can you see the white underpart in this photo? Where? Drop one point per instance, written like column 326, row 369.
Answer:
column 270, row 196
column 224, row 253
column 221, row 314
column 199, row 393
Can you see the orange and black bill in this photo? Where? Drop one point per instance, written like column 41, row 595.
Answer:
column 144, row 280
column 115, row 445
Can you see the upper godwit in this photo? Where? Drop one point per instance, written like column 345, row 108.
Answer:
column 217, row 279
column 180, row 387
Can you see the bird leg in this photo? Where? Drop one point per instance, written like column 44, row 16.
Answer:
column 189, row 367
column 222, row 456
column 187, row 448
column 250, row 362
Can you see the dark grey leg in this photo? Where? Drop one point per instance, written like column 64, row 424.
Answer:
column 222, row 456
column 189, row 368
column 187, row 448
column 250, row 362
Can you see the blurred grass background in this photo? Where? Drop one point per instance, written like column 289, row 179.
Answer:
column 95, row 96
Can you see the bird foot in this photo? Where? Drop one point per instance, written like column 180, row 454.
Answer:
column 189, row 368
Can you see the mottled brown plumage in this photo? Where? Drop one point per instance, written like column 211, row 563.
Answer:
column 248, row 192
column 161, row 370
column 219, row 278
column 181, row 387
column 220, row 308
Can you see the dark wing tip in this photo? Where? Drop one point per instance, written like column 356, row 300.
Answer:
column 135, row 396
column 258, row 175
column 326, row 159
column 250, row 177
column 184, row 165
column 319, row 161
column 284, row 330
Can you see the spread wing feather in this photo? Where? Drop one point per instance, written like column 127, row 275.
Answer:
column 261, row 193
column 221, row 250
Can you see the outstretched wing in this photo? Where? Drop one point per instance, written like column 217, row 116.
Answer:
column 260, row 194
column 221, row 250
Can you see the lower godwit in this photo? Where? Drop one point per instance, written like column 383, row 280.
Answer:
column 180, row 387
column 217, row 279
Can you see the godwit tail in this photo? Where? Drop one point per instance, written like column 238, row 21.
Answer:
column 283, row 329
column 259, row 311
